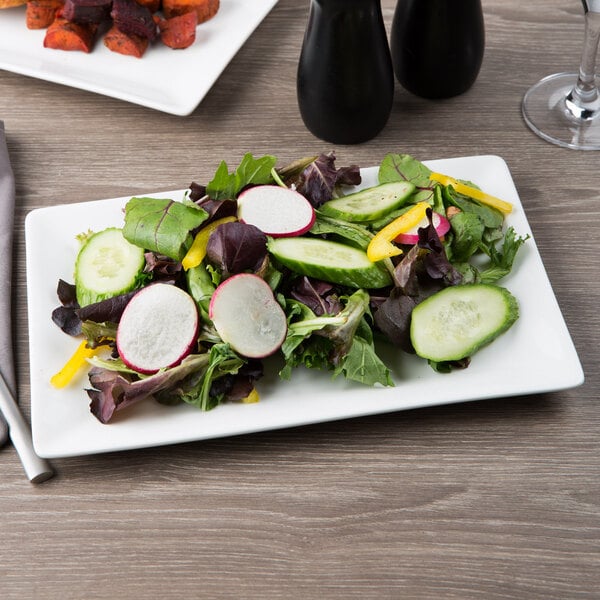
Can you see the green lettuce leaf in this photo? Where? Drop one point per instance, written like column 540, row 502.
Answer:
column 342, row 343
column 226, row 185
column 196, row 389
column 502, row 259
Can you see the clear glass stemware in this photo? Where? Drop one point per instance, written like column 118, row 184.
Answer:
column 564, row 108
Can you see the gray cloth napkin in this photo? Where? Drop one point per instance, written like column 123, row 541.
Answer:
column 7, row 208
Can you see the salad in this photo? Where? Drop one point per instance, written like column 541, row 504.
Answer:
column 186, row 301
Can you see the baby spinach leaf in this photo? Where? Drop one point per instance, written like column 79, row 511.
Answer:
column 350, row 233
column 490, row 217
column 161, row 225
column 403, row 167
column 467, row 230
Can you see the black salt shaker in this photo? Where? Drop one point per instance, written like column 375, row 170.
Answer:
column 345, row 79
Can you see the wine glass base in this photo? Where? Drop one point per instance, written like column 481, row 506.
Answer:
column 545, row 112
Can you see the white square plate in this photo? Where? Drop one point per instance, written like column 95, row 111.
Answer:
column 172, row 81
column 536, row 355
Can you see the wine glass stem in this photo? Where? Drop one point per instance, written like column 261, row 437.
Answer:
column 583, row 102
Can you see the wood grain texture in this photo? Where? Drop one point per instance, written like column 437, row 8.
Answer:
column 497, row 500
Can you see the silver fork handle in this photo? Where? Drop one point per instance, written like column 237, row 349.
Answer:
column 36, row 468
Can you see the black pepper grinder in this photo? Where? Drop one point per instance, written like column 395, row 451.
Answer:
column 437, row 45
column 345, row 81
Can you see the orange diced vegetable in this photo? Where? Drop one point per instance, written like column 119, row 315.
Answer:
column 40, row 14
column 205, row 9
column 124, row 43
column 64, row 35
column 180, row 31
column 152, row 5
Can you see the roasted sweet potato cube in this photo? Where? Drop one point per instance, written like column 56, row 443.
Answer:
column 129, row 44
column 40, row 14
column 178, row 32
column 205, row 9
column 64, row 35
column 152, row 5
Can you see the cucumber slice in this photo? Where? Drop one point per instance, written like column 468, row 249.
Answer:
column 454, row 323
column 107, row 265
column 369, row 204
column 329, row 261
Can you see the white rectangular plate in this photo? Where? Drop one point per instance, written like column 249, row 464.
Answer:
column 536, row 355
column 172, row 81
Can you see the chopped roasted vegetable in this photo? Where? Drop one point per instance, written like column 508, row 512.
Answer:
column 133, row 18
column 64, row 35
column 87, row 11
column 40, row 14
column 180, row 31
column 129, row 44
column 204, row 9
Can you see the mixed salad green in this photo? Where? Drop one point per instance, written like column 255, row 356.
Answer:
column 334, row 313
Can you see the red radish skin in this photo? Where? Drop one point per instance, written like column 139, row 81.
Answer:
column 441, row 224
column 277, row 211
column 158, row 328
column 247, row 316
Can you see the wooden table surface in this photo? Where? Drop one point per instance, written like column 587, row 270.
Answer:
column 487, row 500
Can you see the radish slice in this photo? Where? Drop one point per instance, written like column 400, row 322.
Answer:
column 247, row 316
column 158, row 328
column 411, row 236
column 275, row 210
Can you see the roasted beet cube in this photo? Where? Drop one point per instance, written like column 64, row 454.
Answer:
column 132, row 18
column 87, row 11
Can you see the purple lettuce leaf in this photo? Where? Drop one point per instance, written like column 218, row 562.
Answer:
column 65, row 316
column 197, row 191
column 162, row 268
column 218, row 209
column 113, row 391
column 319, row 179
column 237, row 248
column 319, row 296
column 203, row 380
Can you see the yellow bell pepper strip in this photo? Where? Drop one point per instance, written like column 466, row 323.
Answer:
column 252, row 397
column 72, row 366
column 381, row 246
column 195, row 255
column 472, row 192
